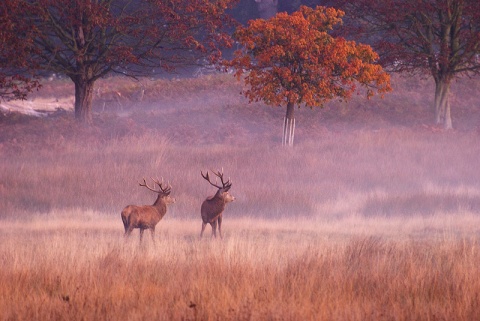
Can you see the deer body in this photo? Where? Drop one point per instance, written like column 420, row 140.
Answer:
column 146, row 217
column 213, row 207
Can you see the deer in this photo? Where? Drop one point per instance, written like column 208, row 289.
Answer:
column 146, row 217
column 213, row 207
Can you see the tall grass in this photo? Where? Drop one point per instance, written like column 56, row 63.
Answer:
column 284, row 270
column 339, row 175
column 371, row 216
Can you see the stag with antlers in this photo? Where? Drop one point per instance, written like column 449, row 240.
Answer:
column 147, row 216
column 212, row 207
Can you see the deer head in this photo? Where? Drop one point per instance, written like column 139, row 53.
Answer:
column 163, row 192
column 222, row 190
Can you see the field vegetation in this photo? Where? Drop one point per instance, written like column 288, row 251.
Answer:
column 374, row 214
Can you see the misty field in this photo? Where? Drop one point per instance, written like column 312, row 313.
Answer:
column 373, row 215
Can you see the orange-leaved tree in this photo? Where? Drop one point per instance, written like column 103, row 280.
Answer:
column 290, row 59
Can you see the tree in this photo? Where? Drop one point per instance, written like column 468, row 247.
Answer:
column 440, row 38
column 292, row 60
column 15, row 83
column 88, row 39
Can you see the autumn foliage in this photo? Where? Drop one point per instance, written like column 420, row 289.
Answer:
column 292, row 59
column 439, row 38
column 16, row 39
column 89, row 39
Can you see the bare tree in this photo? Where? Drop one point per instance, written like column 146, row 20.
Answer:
column 213, row 207
column 147, row 216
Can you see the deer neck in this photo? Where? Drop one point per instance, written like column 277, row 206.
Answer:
column 218, row 198
column 160, row 206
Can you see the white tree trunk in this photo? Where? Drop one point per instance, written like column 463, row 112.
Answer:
column 288, row 131
column 442, row 104
column 289, row 125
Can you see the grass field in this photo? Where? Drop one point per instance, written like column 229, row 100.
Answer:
column 350, row 269
column 373, row 215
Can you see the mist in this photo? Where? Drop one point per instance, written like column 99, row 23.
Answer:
column 377, row 157
column 366, row 181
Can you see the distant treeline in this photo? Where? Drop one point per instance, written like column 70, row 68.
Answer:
column 253, row 9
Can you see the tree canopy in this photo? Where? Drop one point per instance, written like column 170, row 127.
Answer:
column 440, row 38
column 291, row 59
column 16, row 39
column 88, row 39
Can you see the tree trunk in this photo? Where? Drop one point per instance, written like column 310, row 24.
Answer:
column 289, row 126
column 83, row 101
column 442, row 103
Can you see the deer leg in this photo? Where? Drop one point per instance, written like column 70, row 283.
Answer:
column 220, row 226
column 141, row 234
column 152, row 233
column 214, row 228
column 128, row 231
column 203, row 228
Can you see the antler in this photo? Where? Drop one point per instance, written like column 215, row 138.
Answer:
column 165, row 190
column 225, row 185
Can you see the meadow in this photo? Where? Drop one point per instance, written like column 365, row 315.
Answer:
column 374, row 214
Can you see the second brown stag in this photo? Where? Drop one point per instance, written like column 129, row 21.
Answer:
column 213, row 207
column 146, row 217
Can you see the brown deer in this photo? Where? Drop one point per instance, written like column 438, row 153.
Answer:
column 147, row 216
column 212, row 207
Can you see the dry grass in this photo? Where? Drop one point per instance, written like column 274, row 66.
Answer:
column 277, row 270
column 371, row 174
column 373, row 215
